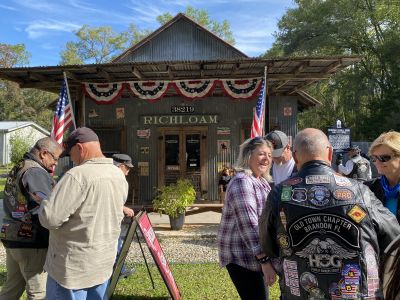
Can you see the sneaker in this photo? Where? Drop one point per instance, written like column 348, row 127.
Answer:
column 126, row 273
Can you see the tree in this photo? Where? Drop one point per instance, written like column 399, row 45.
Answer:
column 17, row 104
column 201, row 16
column 95, row 45
column 102, row 44
column 364, row 96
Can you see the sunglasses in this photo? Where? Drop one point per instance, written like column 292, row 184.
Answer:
column 382, row 158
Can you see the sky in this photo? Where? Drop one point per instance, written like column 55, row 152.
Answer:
column 45, row 26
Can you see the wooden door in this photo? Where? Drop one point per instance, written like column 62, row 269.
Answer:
column 182, row 154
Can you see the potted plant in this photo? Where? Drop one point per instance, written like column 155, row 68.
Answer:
column 173, row 199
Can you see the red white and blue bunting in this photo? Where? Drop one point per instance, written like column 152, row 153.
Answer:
column 104, row 93
column 193, row 89
column 149, row 90
column 155, row 90
column 243, row 88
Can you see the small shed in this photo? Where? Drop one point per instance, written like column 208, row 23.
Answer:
column 27, row 129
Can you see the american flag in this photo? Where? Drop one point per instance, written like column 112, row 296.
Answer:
column 258, row 115
column 63, row 118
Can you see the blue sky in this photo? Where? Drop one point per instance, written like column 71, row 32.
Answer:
column 44, row 26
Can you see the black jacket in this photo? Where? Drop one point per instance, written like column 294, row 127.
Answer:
column 328, row 232
column 376, row 187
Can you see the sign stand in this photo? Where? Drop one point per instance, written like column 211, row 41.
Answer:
column 145, row 260
column 142, row 221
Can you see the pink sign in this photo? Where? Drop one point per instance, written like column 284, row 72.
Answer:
column 158, row 255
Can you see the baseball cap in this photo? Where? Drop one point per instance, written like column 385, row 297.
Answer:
column 123, row 159
column 279, row 141
column 354, row 148
column 79, row 135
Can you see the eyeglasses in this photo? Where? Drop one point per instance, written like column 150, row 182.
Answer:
column 382, row 158
column 52, row 155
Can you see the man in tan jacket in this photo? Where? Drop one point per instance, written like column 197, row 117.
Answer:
column 83, row 215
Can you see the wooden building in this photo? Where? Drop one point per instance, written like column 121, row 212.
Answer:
column 181, row 101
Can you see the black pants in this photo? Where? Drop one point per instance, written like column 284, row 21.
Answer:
column 249, row 284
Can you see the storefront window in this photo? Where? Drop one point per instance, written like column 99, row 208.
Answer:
column 193, row 152
column 172, row 150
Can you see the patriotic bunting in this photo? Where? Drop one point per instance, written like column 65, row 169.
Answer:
column 242, row 89
column 155, row 90
column 149, row 90
column 193, row 89
column 104, row 93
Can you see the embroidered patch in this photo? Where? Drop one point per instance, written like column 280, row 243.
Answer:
column 341, row 180
column 293, row 181
column 283, row 219
column 316, row 179
column 319, row 195
column 316, row 294
column 291, row 276
column 299, row 195
column 357, row 214
column 343, row 194
column 283, row 241
column 25, row 230
column 308, row 281
column 286, row 193
column 351, row 274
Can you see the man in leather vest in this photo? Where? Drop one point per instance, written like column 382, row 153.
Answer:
column 25, row 240
column 327, row 231
column 356, row 167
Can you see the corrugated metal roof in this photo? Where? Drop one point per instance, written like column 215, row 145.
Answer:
column 285, row 75
column 14, row 125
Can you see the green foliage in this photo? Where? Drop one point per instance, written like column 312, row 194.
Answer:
column 19, row 144
column 201, row 16
column 364, row 96
column 174, row 198
column 13, row 55
column 94, row 45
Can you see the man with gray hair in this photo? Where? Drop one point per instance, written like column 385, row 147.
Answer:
column 327, row 231
column 25, row 240
column 83, row 215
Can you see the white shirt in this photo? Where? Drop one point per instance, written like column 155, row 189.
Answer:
column 283, row 171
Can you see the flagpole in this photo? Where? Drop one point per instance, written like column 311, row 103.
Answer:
column 69, row 98
column 265, row 98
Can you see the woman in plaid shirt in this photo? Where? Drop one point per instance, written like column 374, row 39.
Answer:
column 238, row 240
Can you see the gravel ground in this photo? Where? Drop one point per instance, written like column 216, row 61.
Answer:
column 176, row 250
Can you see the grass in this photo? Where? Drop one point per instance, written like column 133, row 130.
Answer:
column 3, row 170
column 195, row 282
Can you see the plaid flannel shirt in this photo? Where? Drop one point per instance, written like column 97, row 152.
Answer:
column 238, row 237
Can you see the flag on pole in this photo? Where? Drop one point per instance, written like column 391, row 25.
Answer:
column 63, row 117
column 258, row 114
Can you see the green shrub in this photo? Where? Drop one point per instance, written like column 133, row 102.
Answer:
column 19, row 144
column 174, row 198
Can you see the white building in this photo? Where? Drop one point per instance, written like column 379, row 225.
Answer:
column 30, row 130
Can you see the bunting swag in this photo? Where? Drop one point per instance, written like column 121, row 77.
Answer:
column 193, row 89
column 104, row 93
column 243, row 88
column 152, row 91
column 149, row 90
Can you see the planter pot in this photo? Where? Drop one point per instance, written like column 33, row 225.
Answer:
column 177, row 223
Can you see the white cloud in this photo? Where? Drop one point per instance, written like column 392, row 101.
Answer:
column 7, row 7
column 42, row 28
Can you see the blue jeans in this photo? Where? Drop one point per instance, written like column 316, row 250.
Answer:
column 54, row 291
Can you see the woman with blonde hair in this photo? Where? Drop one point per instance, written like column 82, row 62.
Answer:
column 385, row 154
column 238, row 238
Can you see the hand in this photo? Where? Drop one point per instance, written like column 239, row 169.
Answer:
column 269, row 273
column 128, row 211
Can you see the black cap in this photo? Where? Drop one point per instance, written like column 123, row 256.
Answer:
column 79, row 135
column 123, row 159
column 279, row 141
column 354, row 148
